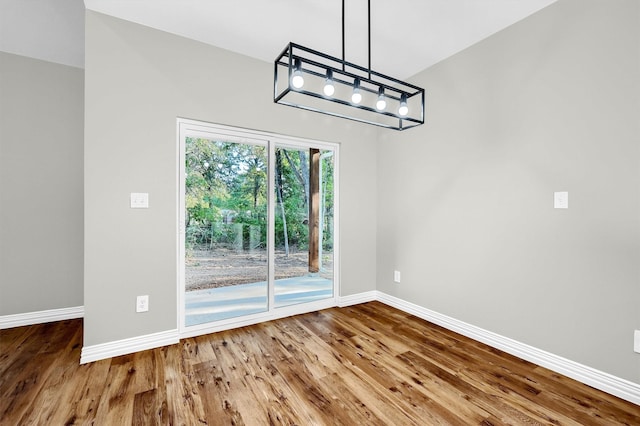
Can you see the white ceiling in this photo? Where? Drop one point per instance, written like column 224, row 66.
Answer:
column 407, row 35
column 51, row 30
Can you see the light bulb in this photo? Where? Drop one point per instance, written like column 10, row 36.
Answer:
column 356, row 96
column 403, row 109
column 329, row 89
column 381, row 104
column 297, row 80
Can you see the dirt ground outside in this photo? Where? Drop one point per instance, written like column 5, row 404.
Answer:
column 222, row 267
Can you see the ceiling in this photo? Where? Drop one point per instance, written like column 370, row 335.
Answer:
column 407, row 36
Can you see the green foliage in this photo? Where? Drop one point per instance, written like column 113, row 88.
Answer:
column 226, row 195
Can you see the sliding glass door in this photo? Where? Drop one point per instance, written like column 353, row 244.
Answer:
column 257, row 226
column 225, row 229
column 303, row 224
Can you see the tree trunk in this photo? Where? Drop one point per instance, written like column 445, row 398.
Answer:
column 302, row 172
column 280, row 201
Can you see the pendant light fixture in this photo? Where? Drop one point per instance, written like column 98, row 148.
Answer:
column 308, row 79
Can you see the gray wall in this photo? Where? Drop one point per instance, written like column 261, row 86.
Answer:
column 465, row 202
column 41, row 204
column 138, row 80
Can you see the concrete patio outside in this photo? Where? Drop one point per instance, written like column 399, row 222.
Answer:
column 203, row 306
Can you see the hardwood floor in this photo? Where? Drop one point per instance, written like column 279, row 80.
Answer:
column 366, row 364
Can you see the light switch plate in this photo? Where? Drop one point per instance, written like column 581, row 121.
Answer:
column 560, row 200
column 139, row 200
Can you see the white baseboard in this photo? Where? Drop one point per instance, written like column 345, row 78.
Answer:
column 605, row 382
column 127, row 346
column 354, row 299
column 39, row 317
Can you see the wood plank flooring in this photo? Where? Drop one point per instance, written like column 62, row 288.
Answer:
column 367, row 364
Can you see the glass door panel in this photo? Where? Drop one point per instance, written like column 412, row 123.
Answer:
column 304, row 215
column 226, row 262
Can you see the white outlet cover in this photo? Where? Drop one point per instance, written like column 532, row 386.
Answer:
column 396, row 276
column 139, row 200
column 142, row 303
column 636, row 341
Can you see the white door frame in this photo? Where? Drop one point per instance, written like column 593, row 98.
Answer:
column 190, row 128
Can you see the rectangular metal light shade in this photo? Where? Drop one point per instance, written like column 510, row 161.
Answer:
column 315, row 66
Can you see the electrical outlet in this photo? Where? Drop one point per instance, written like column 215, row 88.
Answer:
column 636, row 341
column 396, row 276
column 142, row 303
